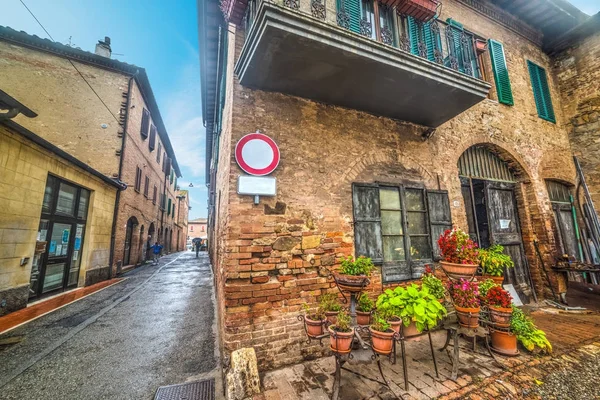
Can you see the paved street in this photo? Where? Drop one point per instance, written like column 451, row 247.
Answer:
column 155, row 328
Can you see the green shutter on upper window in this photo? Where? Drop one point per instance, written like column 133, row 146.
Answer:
column 541, row 92
column 352, row 7
column 424, row 34
column 500, row 70
column 413, row 34
column 430, row 41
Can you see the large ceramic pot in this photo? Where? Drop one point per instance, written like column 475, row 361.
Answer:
column 468, row 317
column 383, row 342
column 395, row 323
column 500, row 316
column 332, row 316
column 457, row 271
column 504, row 342
column 363, row 318
column 498, row 280
column 410, row 330
column 341, row 342
column 314, row 328
column 352, row 283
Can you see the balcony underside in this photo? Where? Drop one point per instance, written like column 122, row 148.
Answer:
column 293, row 53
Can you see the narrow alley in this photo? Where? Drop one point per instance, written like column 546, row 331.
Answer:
column 154, row 328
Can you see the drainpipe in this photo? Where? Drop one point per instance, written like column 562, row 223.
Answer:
column 113, row 231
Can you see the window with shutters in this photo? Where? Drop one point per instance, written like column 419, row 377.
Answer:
column 138, row 179
column 164, row 162
column 152, row 141
column 461, row 49
column 146, row 186
column 154, row 195
column 351, row 8
column 145, row 124
column 500, row 71
column 158, row 153
column 423, row 33
column 367, row 15
column 169, row 207
column 541, row 92
column 398, row 227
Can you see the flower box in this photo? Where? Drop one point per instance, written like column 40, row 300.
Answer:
column 422, row 10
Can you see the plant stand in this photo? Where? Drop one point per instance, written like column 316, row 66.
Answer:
column 401, row 339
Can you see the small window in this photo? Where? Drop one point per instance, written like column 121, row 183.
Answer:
column 158, row 153
column 49, row 194
column 171, row 175
column 541, row 92
column 67, row 195
column 146, row 186
column 164, row 162
column 191, row 228
column 145, row 124
column 84, row 199
column 169, row 207
column 138, row 179
column 202, row 228
column 152, row 141
column 154, row 195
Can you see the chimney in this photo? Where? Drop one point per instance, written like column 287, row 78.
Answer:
column 103, row 47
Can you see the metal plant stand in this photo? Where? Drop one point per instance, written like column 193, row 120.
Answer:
column 401, row 339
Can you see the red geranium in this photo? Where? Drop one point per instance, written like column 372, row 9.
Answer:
column 498, row 297
column 457, row 247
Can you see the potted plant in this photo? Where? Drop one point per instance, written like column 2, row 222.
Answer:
column 499, row 303
column 313, row 321
column 330, row 305
column 460, row 256
column 341, row 334
column 388, row 307
column 494, row 262
column 382, row 335
column 527, row 333
column 419, row 310
column 484, row 287
column 363, row 310
column 353, row 275
column 465, row 297
column 434, row 284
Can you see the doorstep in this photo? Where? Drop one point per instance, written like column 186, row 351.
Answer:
column 45, row 306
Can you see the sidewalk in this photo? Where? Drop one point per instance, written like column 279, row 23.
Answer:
column 575, row 337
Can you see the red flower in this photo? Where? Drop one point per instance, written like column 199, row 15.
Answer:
column 457, row 247
column 498, row 297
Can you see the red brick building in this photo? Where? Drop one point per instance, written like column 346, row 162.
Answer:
column 391, row 129
column 197, row 228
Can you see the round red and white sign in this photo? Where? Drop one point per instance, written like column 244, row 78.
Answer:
column 257, row 154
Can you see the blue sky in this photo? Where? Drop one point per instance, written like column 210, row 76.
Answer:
column 162, row 37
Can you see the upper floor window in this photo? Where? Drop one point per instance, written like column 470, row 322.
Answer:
column 500, row 70
column 138, row 179
column 191, row 228
column 541, row 92
column 145, row 124
column 202, row 228
column 152, row 141
column 146, row 186
column 158, row 153
column 154, row 193
column 164, row 164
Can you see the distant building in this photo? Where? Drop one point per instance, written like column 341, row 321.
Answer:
column 181, row 218
column 197, row 228
column 129, row 149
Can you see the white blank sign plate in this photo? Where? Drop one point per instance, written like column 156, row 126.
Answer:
column 257, row 185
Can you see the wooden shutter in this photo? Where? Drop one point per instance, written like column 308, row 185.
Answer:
column 353, row 8
column 145, row 124
column 413, row 33
column 431, row 40
column 158, row 153
column 169, row 207
column 541, row 92
column 146, row 184
column 500, row 70
column 152, row 141
column 367, row 222
column 440, row 218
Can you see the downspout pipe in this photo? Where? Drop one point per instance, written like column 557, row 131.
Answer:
column 113, row 232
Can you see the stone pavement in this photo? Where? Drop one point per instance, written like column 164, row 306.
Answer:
column 479, row 377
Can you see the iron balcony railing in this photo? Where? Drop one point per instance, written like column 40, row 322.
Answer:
column 444, row 43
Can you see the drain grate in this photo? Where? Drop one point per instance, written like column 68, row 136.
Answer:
column 201, row 390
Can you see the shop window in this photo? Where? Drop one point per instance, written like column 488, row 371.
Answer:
column 67, row 195
column 398, row 227
column 84, row 199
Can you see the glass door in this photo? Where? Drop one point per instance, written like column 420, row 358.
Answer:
column 58, row 250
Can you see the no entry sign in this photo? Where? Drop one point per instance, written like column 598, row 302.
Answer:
column 257, row 154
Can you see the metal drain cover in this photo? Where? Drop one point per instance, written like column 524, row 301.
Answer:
column 201, row 390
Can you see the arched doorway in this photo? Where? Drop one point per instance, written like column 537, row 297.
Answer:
column 149, row 242
column 132, row 223
column 489, row 182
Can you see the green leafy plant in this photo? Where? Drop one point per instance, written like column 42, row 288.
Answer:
column 493, row 261
column 365, row 304
column 317, row 315
column 361, row 266
column 343, row 322
column 380, row 323
column 485, row 286
column 433, row 283
column 411, row 304
column 527, row 333
column 329, row 303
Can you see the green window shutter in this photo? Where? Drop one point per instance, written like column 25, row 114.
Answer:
column 431, row 40
column 353, row 9
column 413, row 33
column 500, row 70
column 541, row 92
column 169, row 207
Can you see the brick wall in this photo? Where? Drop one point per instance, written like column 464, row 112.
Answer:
column 272, row 257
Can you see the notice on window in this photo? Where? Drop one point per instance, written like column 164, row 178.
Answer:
column 52, row 247
column 59, row 249
column 65, row 236
column 79, row 231
column 77, row 243
column 504, row 223
column 75, row 255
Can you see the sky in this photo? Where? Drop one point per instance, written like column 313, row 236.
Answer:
column 160, row 36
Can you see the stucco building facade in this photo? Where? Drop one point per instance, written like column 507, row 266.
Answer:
column 373, row 163
column 118, row 134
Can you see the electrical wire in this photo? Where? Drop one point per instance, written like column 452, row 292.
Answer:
column 71, row 62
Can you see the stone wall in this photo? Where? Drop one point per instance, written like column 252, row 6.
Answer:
column 24, row 169
column 273, row 257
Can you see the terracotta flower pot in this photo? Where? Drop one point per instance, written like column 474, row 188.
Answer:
column 341, row 342
column 395, row 324
column 468, row 317
column 458, row 271
column 501, row 316
column 363, row 318
column 332, row 316
column 383, row 342
column 411, row 330
column 498, row 280
column 504, row 343
column 352, row 283
column 314, row 327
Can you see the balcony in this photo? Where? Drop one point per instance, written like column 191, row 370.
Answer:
column 392, row 66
